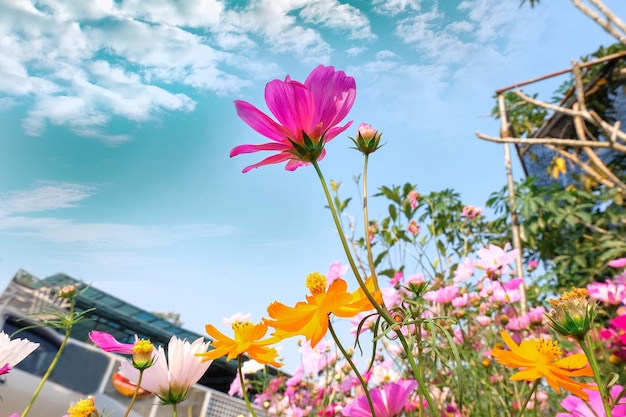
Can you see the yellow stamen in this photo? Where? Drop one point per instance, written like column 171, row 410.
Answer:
column 82, row 408
column 240, row 328
column 316, row 283
column 143, row 347
column 549, row 348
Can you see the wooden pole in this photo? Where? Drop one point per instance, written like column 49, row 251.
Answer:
column 517, row 243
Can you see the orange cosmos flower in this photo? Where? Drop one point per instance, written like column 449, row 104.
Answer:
column 247, row 340
column 310, row 318
column 540, row 358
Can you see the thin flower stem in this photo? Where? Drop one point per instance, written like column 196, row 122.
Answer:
column 380, row 309
column 53, row 364
column 368, row 244
column 530, row 395
column 243, row 386
column 174, row 409
column 135, row 394
column 604, row 394
column 353, row 366
column 417, row 372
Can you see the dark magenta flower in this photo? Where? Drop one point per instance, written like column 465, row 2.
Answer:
column 307, row 115
column 388, row 401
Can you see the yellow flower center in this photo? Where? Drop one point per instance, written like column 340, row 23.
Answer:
column 143, row 347
column 82, row 408
column 241, row 328
column 549, row 348
column 316, row 283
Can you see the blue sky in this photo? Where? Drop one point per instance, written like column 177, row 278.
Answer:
column 117, row 121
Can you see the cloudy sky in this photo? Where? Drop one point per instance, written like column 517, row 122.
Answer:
column 117, row 121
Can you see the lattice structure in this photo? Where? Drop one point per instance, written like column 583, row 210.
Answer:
column 222, row 405
column 605, row 94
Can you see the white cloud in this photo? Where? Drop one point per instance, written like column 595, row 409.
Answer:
column 395, row 7
column 355, row 51
column 46, row 196
column 333, row 14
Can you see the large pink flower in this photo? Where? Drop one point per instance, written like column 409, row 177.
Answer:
column 307, row 114
column 388, row 401
column 592, row 408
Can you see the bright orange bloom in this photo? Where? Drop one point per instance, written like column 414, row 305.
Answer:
column 310, row 318
column 540, row 358
column 247, row 340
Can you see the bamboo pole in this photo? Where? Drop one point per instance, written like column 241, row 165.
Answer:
column 517, row 244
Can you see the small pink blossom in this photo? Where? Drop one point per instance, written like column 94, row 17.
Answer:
column 336, row 270
column 495, row 260
column 397, row 279
column 413, row 228
column 413, row 198
column 464, row 270
column 460, row 301
column 609, row 292
column 532, row 265
column 238, row 317
column 483, row 320
column 618, row 263
column 442, row 295
column 471, row 211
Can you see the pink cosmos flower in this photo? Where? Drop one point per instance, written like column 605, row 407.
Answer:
column 618, row 263
column 443, row 295
column 495, row 260
column 593, row 408
column 609, row 292
column 335, row 270
column 388, row 401
column 464, row 270
column 13, row 351
column 307, row 114
column 471, row 211
column 108, row 343
column 413, row 198
column 170, row 378
column 413, row 228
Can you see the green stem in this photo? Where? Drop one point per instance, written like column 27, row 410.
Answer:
column 417, row 372
column 243, row 387
column 530, row 395
column 368, row 244
column 174, row 409
column 53, row 364
column 604, row 393
column 353, row 366
column 135, row 394
column 381, row 310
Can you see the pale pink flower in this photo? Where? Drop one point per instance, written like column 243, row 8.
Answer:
column 518, row 323
column 171, row 376
column 391, row 296
column 367, row 325
column 238, row 317
column 470, row 211
column 413, row 228
column 384, row 373
column 460, row 301
column 307, row 115
column 495, row 260
column 442, row 295
column 464, row 270
column 336, row 270
column 536, row 315
column 483, row 320
column 618, row 263
column 397, row 279
column 413, row 198
column 315, row 360
column 609, row 292
column 13, row 351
